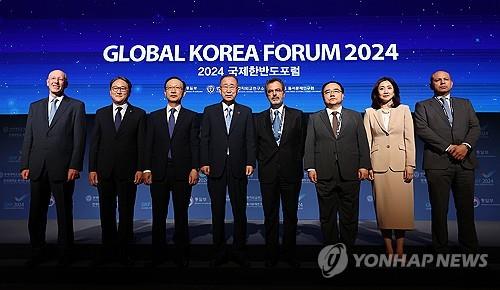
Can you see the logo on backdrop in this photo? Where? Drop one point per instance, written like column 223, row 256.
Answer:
column 484, row 131
column 92, row 200
column 486, row 178
column 20, row 198
column 210, row 89
column 477, row 202
column 419, row 176
column 485, row 153
column 17, row 203
column 15, row 132
column 333, row 260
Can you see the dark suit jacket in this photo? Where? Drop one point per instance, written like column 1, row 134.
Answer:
column 285, row 160
column 184, row 143
column 215, row 140
column 432, row 126
column 350, row 147
column 120, row 152
column 58, row 147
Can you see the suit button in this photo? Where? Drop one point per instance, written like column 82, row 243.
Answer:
column 388, row 146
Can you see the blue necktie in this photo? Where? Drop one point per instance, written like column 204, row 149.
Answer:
column 447, row 109
column 276, row 126
column 171, row 125
column 53, row 109
column 228, row 119
column 118, row 118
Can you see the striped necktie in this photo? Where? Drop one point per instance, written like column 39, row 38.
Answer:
column 53, row 109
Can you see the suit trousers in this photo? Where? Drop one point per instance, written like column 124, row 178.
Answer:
column 62, row 191
column 288, row 192
column 122, row 236
column 160, row 196
column 340, row 197
column 237, row 188
column 461, row 182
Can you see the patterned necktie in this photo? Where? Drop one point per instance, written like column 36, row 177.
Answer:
column 228, row 119
column 276, row 126
column 171, row 125
column 53, row 109
column 118, row 118
column 447, row 110
column 335, row 123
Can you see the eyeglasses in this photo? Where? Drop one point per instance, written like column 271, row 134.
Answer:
column 177, row 88
column 119, row 89
column 274, row 91
column 329, row 92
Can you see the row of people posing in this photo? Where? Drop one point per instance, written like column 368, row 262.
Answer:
column 338, row 150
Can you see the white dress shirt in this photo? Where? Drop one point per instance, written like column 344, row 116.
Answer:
column 122, row 112
column 51, row 98
column 176, row 113
column 339, row 116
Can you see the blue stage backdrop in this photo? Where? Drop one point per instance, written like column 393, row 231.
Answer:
column 96, row 41
column 305, row 52
column 15, row 192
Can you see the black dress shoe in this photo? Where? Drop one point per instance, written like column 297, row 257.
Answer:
column 181, row 262
column 38, row 256
column 154, row 263
column 292, row 262
column 34, row 261
column 102, row 259
column 218, row 261
column 64, row 261
column 126, row 261
column 241, row 260
column 270, row 263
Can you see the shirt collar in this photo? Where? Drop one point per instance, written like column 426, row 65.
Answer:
column 329, row 111
column 124, row 107
column 177, row 108
column 446, row 97
column 280, row 109
column 52, row 97
column 225, row 106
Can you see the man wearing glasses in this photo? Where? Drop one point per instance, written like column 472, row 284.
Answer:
column 280, row 134
column 172, row 163
column 227, row 157
column 337, row 158
column 115, row 167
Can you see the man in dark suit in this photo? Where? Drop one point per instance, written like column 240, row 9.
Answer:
column 52, row 157
column 450, row 129
column 337, row 158
column 280, row 135
column 228, row 157
column 172, row 162
column 115, row 167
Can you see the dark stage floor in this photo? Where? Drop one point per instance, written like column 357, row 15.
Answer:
column 14, row 250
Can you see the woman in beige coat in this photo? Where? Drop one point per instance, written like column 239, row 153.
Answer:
column 389, row 128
